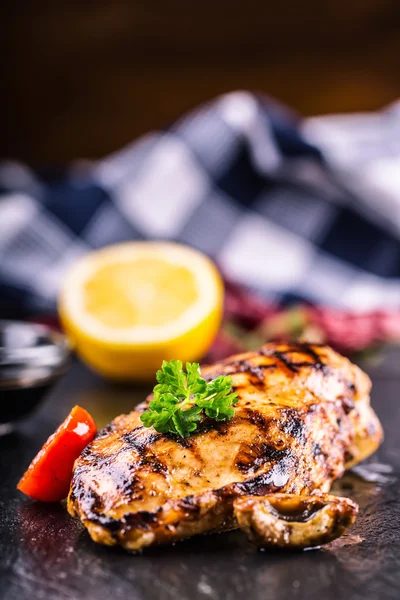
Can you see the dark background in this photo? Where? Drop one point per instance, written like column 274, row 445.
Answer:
column 82, row 78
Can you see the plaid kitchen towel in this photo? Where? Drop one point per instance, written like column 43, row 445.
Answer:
column 293, row 209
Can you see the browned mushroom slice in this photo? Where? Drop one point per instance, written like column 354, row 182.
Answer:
column 293, row 521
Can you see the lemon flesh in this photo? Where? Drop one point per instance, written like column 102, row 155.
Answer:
column 129, row 306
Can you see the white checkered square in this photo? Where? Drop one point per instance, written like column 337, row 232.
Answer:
column 16, row 212
column 197, row 131
column 327, row 279
column 166, row 191
column 211, row 223
column 262, row 254
column 368, row 292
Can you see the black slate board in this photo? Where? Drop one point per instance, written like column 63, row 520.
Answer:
column 46, row 554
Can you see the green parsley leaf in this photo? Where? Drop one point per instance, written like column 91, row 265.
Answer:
column 182, row 399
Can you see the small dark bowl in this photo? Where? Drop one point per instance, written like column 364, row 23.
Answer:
column 32, row 359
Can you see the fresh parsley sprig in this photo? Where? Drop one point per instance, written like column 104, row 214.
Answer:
column 182, row 399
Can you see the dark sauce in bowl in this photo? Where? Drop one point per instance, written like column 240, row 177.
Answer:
column 32, row 359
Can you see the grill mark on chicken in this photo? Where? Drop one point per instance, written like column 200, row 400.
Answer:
column 288, row 421
column 317, row 450
column 251, row 458
column 106, row 430
column 296, row 424
column 287, row 363
column 220, row 427
column 146, row 459
column 256, row 370
column 243, row 366
column 267, row 483
column 293, row 366
column 309, row 349
column 140, row 444
column 140, row 520
column 347, row 403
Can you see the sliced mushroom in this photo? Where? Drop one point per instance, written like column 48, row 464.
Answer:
column 294, row 521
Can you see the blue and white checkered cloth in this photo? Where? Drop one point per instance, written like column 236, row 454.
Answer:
column 294, row 209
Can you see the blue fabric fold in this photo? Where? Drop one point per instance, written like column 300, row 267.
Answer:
column 295, row 209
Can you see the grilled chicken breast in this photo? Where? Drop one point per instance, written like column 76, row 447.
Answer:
column 303, row 416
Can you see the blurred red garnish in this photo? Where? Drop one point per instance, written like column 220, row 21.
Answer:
column 250, row 322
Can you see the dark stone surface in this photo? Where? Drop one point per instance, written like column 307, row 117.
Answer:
column 46, row 554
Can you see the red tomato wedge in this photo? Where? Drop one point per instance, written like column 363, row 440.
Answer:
column 49, row 475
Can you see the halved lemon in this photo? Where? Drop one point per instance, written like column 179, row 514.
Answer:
column 128, row 307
